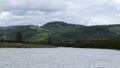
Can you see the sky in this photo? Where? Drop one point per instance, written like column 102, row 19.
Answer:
column 39, row 12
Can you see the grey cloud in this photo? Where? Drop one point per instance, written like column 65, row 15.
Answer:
column 26, row 5
column 38, row 12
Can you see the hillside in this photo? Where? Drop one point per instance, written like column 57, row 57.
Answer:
column 8, row 33
column 58, row 25
column 59, row 30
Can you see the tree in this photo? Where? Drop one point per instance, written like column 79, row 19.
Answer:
column 49, row 41
column 19, row 37
column 76, row 43
column 2, row 40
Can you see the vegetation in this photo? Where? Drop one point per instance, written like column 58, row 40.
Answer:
column 59, row 33
column 2, row 41
column 19, row 37
column 21, row 45
column 106, row 44
column 103, row 44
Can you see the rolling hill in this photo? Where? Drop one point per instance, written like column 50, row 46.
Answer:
column 59, row 30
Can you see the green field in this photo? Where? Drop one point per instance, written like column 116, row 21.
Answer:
column 19, row 45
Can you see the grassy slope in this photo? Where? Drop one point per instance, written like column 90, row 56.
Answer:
column 19, row 45
column 71, row 33
column 63, row 31
column 84, row 33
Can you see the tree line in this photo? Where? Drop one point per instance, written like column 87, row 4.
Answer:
column 106, row 44
column 18, row 38
column 103, row 44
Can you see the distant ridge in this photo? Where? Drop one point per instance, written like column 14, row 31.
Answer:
column 59, row 30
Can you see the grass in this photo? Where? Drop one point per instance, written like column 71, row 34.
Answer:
column 19, row 45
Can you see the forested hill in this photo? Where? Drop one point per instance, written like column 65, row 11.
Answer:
column 59, row 30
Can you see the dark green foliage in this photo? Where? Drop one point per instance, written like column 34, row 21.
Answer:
column 107, row 44
column 63, row 44
column 2, row 41
column 49, row 41
column 103, row 44
column 19, row 37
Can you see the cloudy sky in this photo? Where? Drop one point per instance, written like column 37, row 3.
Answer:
column 39, row 12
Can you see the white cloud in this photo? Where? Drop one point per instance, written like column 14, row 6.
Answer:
column 116, row 4
column 103, row 20
column 42, row 5
column 4, row 15
column 38, row 12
